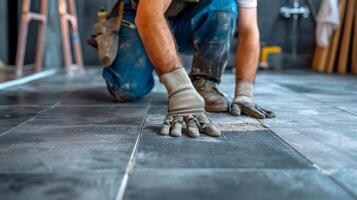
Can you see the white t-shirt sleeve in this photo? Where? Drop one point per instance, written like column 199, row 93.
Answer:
column 247, row 3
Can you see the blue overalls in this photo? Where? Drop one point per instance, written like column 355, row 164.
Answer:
column 203, row 29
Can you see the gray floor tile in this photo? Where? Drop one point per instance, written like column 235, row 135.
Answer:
column 287, row 105
column 98, row 96
column 246, row 149
column 333, row 98
column 90, row 96
column 25, row 97
column 318, row 117
column 158, row 98
column 38, row 149
column 322, row 88
column 11, row 116
column 331, row 147
column 156, row 115
column 93, row 115
column 91, row 186
column 232, row 184
column 79, row 150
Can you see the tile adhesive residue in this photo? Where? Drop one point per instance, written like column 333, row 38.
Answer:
column 240, row 127
column 156, row 119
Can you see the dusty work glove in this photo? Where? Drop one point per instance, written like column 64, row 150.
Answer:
column 243, row 102
column 185, row 106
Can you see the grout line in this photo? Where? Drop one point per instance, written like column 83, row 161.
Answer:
column 24, row 122
column 319, row 169
column 329, row 104
column 27, row 79
column 285, row 142
column 314, row 165
column 342, row 186
column 131, row 163
column 318, row 100
column 30, row 119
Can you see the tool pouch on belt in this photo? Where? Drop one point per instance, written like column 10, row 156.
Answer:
column 106, row 38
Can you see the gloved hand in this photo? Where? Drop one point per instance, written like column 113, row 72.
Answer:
column 243, row 102
column 185, row 106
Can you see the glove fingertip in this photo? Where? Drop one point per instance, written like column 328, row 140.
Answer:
column 235, row 110
column 165, row 130
column 193, row 133
column 253, row 112
column 259, row 116
column 212, row 131
column 176, row 133
column 235, row 113
column 271, row 115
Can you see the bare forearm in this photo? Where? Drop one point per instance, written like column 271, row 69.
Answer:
column 247, row 57
column 157, row 37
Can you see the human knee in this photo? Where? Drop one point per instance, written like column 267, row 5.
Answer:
column 134, row 90
column 126, row 89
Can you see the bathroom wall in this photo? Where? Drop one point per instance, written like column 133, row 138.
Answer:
column 3, row 31
column 277, row 30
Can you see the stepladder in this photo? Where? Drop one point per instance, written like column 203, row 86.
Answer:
column 69, row 35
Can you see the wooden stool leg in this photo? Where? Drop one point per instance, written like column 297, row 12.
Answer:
column 22, row 38
column 41, row 36
column 76, row 42
column 67, row 53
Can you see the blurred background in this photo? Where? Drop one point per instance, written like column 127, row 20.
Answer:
column 275, row 30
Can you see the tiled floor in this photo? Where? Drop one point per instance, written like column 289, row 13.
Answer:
column 64, row 138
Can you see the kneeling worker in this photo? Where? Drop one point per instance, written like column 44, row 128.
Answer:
column 151, row 35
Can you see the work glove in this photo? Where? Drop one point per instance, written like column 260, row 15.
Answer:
column 186, row 106
column 243, row 102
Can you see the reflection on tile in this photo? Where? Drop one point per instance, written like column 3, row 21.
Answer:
column 232, row 184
